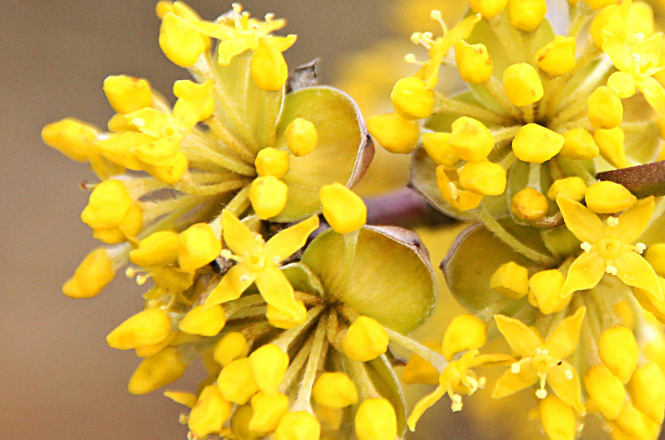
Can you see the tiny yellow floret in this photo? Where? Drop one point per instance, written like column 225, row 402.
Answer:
column 465, row 332
column 376, row 420
column 470, row 139
column 232, row 346
column 572, row 187
column 522, row 84
column 545, row 291
column 179, row 41
column 608, row 197
column 236, row 381
column 157, row 371
column 611, row 146
column 529, row 204
column 365, row 340
column 197, row 246
column 605, row 108
column 618, row 350
column 437, row 146
column 204, row 321
column 210, row 412
column 334, row 390
column 510, row 280
column 579, row 144
column 157, row 249
column 107, row 206
column 473, row 62
column 272, row 162
column 71, row 137
column 453, row 193
column 557, row 57
column 127, row 94
column 394, row 133
column 267, row 411
column 301, row 137
column 91, row 276
column 343, row 209
column 606, row 390
column 268, row 196
column 269, row 364
column 411, row 99
column 148, row 327
column 526, row 15
column 537, row 144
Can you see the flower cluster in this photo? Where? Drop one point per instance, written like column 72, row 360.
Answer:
column 218, row 202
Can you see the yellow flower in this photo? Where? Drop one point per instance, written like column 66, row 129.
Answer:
column 608, row 248
column 259, row 261
column 542, row 361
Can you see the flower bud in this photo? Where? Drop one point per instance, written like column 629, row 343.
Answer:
column 612, row 19
column 268, row 196
column 107, row 206
column 127, row 94
column 456, row 197
column 526, row 15
column 605, row 108
column 232, row 346
column 394, row 133
column 236, row 382
column 558, row 419
column 536, row 144
column 486, row 178
column 522, row 84
column 240, row 419
column 376, row 420
column 272, row 162
column 179, row 41
column 510, row 280
column 608, row 197
column 203, row 321
column 579, row 144
column 93, row 274
column 197, row 95
column 171, row 171
column 437, row 146
column 210, row 413
column 635, row 425
column 411, row 99
column 647, row 391
column 268, row 66
column 156, row 371
column 470, row 139
column 343, row 209
column 474, row 63
column 300, row 425
column 606, row 391
column 157, row 249
column 545, row 291
column 640, row 19
column 186, row 399
column 465, row 332
column 281, row 319
column 622, row 84
column 610, row 144
column 529, row 204
column 487, row 8
column 334, row 390
column 365, row 340
column 301, row 137
column 197, row 246
column 148, row 327
column 572, row 187
column 557, row 57
column 268, row 410
column 618, row 351
column 269, row 364
column 71, row 137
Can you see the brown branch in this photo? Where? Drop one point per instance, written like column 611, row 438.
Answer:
column 404, row 208
column 642, row 180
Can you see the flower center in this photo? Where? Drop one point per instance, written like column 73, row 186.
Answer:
column 609, row 248
column 255, row 262
column 542, row 362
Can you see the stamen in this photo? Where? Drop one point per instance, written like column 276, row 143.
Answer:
column 611, row 269
column 586, row 246
column 515, row 368
column 453, row 191
column 613, row 222
column 138, row 122
column 457, row 402
column 640, row 248
column 568, row 375
column 481, row 382
column 541, row 394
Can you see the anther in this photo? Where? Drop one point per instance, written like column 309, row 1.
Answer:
column 568, row 375
column 613, row 222
column 586, row 247
column 515, row 368
column 541, row 394
column 640, row 247
column 611, row 269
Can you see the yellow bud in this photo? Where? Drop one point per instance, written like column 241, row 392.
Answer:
column 171, row 171
column 640, row 19
column 526, row 15
column 608, row 197
column 418, row 370
column 268, row 410
column 108, row 204
column 474, row 63
column 470, row 139
column 272, row 162
column 557, row 57
column 268, row 67
column 281, row 319
column 522, row 84
column 148, row 327
column 301, row 137
column 529, row 204
column 611, row 19
column 236, row 382
column 91, row 276
column 545, row 291
column 127, row 94
column 411, row 99
column 365, row 340
column 334, row 390
column 618, row 351
column 465, row 332
column 655, row 255
column 196, row 93
column 197, row 246
column 186, row 399
column 394, row 133
column 232, row 346
column 268, row 196
column 71, row 137
column 240, row 424
column 376, row 420
column 269, row 364
column 510, row 280
column 606, row 390
column 210, row 412
column 487, row 8
column 203, row 321
column 537, row 144
column 454, row 195
column 343, row 209
column 163, row 7
column 486, row 178
column 437, row 146
column 647, row 391
column 171, row 279
column 157, row 371
column 300, row 425
column 579, row 144
column 635, row 425
column 572, row 187
column 157, row 249
column 130, row 225
column 179, row 41
column 558, row 419
column 605, row 109
column 610, row 144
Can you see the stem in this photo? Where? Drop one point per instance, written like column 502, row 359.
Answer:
column 229, row 140
column 534, row 177
column 295, row 366
column 495, row 89
column 273, row 106
column 286, row 338
column 527, row 113
column 642, row 180
column 403, row 208
column 434, row 358
column 505, row 133
column 350, row 243
column 448, row 105
column 317, row 355
column 238, row 204
column 362, row 380
column 576, row 169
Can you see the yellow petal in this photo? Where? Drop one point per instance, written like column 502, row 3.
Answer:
column 179, row 41
column 580, row 220
column 635, row 271
column 520, row 337
column 465, row 332
column 623, row 84
column 618, row 52
column 632, row 222
column 565, row 386
column 283, row 244
column 277, row 291
column 562, row 342
column 511, row 383
column 238, row 237
column 585, row 273
column 606, row 390
column 232, row 285
column 423, row 405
